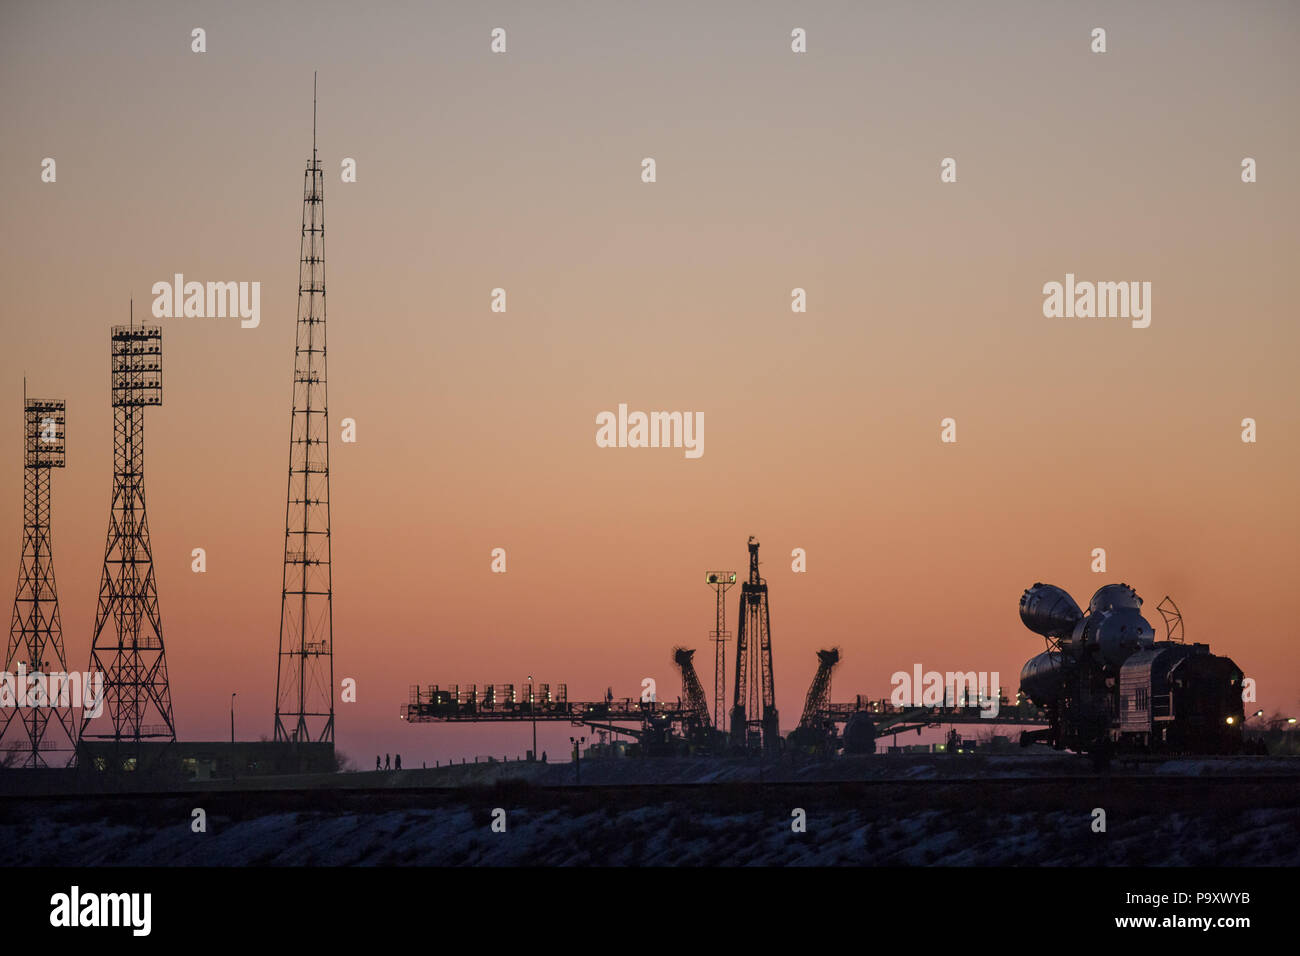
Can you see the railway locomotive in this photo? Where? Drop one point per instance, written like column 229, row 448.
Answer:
column 1108, row 686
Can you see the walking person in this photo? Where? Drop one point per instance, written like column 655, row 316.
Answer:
column 386, row 762
column 397, row 765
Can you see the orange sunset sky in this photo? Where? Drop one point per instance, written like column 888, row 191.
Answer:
column 822, row 430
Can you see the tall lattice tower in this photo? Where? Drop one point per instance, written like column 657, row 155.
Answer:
column 721, row 582
column 304, row 702
column 48, row 736
column 127, row 645
column 754, row 718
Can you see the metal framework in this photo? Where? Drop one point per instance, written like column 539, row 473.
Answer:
column 754, row 718
column 1173, row 620
column 692, row 689
column 304, row 702
column 500, row 703
column 721, row 582
column 35, row 633
column 468, row 703
column 818, row 701
column 127, row 644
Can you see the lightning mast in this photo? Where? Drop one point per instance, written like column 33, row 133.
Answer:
column 304, row 703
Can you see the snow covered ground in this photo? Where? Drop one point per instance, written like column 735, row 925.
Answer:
column 933, row 816
column 663, row 835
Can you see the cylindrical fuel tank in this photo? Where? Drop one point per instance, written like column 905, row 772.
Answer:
column 860, row 734
column 1040, row 678
column 1048, row 610
column 1118, row 632
column 1114, row 596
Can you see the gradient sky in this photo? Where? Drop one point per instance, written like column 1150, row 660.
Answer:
column 476, row 430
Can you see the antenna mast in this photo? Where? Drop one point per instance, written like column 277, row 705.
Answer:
column 304, row 702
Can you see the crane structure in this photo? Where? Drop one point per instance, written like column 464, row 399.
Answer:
column 755, row 722
column 48, row 732
column 304, row 700
column 126, row 646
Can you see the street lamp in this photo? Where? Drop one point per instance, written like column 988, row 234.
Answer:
column 532, row 710
column 232, row 736
column 577, row 755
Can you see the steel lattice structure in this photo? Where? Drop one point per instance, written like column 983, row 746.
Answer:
column 753, row 710
column 127, row 644
column 36, row 633
column 304, row 703
column 692, row 689
column 818, row 701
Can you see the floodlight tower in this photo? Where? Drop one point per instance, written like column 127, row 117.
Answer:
column 127, row 645
column 304, row 702
column 49, row 733
column 721, row 582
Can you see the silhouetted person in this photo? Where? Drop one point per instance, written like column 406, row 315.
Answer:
column 378, row 765
column 387, row 763
column 397, row 765
column 543, row 756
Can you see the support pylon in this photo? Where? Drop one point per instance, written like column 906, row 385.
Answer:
column 817, row 704
column 40, row 732
column 126, row 647
column 304, row 701
column 692, row 689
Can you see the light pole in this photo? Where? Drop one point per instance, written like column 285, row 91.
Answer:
column 232, row 736
column 577, row 755
column 532, row 710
